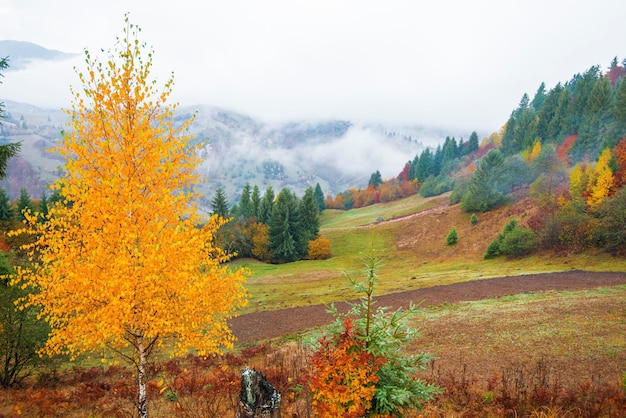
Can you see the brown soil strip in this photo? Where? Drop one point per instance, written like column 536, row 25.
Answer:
column 260, row 326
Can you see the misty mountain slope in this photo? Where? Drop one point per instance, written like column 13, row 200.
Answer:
column 235, row 149
column 337, row 154
column 21, row 54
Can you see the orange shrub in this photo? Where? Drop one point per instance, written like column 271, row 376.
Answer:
column 319, row 248
column 344, row 375
column 260, row 241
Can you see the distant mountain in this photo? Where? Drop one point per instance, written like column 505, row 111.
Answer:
column 236, row 149
column 21, row 53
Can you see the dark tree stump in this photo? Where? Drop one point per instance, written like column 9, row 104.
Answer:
column 258, row 397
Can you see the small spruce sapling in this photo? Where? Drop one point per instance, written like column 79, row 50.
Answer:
column 453, row 237
column 384, row 383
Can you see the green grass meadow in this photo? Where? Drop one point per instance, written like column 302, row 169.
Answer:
column 352, row 234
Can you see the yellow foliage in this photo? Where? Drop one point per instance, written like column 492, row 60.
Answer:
column 578, row 182
column 128, row 255
column 494, row 137
column 535, row 151
column 261, row 241
column 319, row 248
column 601, row 182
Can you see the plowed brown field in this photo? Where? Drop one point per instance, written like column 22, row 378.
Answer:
column 271, row 324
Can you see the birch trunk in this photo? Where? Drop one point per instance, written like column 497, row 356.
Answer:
column 142, row 404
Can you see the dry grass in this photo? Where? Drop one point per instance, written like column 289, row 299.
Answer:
column 567, row 350
column 531, row 355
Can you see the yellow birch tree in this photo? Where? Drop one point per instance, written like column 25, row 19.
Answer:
column 602, row 180
column 578, row 182
column 128, row 262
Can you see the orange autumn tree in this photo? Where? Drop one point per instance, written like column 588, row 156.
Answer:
column 127, row 262
column 344, row 375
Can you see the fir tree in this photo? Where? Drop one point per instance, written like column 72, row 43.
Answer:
column 617, row 129
column 266, row 205
column 414, row 169
column 425, row 165
column 558, row 127
column 43, row 206
column 255, row 202
column 472, row 144
column 547, row 112
column 319, row 198
column 309, row 215
column 7, row 151
column 594, row 121
column 23, row 203
column 540, row 97
column 436, row 163
column 245, row 203
column 581, row 85
column 509, row 146
column 375, row 179
column 485, row 189
column 6, row 213
column 285, row 229
column 219, row 203
column 449, row 153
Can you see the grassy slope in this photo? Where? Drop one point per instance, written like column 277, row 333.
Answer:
column 486, row 351
column 411, row 242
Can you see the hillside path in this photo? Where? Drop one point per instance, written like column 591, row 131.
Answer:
column 259, row 326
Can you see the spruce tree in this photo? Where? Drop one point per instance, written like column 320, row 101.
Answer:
column 266, row 205
column 558, row 127
column 617, row 129
column 526, row 129
column 43, row 206
column 472, row 144
column 55, row 198
column 547, row 112
column 485, row 188
column 285, row 230
column 594, row 121
column 453, row 237
column 245, row 203
column 7, row 151
column 6, row 213
column 23, row 203
column 219, row 203
column 309, row 215
column 255, row 202
column 414, row 169
column 425, row 165
column 436, row 162
column 375, row 179
column 540, row 97
column 319, row 198
column 581, row 85
column 509, row 146
column 449, row 152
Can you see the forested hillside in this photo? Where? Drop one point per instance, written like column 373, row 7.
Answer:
column 565, row 149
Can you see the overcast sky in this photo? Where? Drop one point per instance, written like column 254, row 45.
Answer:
column 457, row 63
